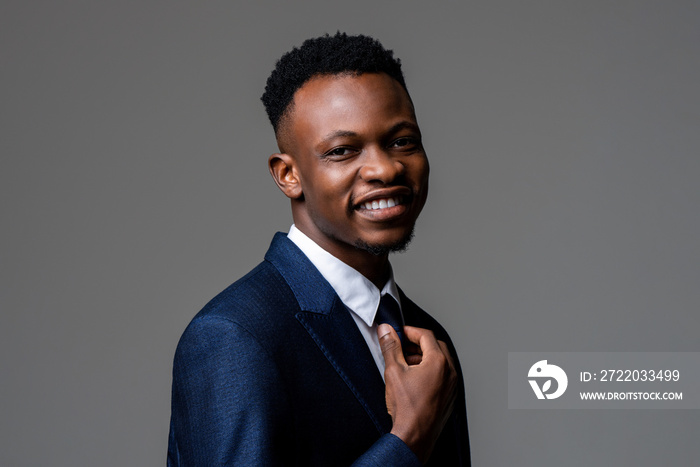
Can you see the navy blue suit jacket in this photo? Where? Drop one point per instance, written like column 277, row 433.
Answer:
column 273, row 371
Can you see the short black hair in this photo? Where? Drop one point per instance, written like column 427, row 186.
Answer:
column 325, row 55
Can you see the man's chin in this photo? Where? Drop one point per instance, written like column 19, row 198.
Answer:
column 383, row 249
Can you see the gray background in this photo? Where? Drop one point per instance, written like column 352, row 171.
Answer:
column 563, row 213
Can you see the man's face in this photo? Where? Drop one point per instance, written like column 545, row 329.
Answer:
column 360, row 163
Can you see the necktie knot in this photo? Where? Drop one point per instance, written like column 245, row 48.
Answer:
column 390, row 313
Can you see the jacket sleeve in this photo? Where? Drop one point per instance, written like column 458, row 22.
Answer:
column 228, row 407
column 388, row 451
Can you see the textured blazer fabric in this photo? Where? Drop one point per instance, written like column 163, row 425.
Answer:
column 274, row 372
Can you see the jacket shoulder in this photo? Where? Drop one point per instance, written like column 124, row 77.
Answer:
column 260, row 303
column 262, row 288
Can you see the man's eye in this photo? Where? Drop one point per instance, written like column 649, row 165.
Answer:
column 404, row 142
column 338, row 152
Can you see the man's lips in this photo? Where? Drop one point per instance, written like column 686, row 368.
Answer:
column 385, row 204
column 382, row 203
column 398, row 194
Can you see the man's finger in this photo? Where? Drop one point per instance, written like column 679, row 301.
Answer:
column 423, row 337
column 390, row 345
column 446, row 352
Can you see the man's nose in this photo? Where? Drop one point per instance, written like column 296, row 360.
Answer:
column 381, row 166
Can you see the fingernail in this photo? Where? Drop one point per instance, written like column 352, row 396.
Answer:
column 383, row 330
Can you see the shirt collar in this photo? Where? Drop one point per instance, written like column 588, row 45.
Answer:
column 355, row 291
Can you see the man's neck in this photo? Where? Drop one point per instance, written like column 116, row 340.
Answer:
column 375, row 268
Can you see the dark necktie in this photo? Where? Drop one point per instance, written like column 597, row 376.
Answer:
column 389, row 313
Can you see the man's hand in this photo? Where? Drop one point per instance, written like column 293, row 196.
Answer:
column 420, row 395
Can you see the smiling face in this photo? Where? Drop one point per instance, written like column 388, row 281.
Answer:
column 354, row 165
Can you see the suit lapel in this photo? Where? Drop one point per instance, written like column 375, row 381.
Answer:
column 411, row 316
column 337, row 336
column 329, row 324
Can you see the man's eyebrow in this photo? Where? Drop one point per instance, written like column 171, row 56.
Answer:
column 339, row 134
column 404, row 125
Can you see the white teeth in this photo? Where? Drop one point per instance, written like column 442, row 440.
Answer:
column 382, row 203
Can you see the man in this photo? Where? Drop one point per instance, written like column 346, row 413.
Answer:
column 295, row 364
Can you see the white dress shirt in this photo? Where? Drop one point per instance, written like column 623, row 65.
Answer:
column 356, row 292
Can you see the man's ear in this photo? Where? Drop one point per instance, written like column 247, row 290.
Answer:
column 284, row 172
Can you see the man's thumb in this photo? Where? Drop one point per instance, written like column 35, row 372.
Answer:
column 389, row 343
